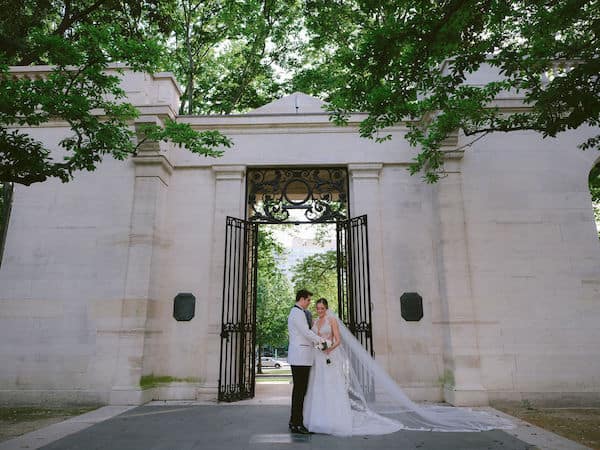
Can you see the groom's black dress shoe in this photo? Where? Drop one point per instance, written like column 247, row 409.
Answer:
column 299, row 429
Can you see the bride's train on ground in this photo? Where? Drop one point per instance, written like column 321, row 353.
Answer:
column 354, row 395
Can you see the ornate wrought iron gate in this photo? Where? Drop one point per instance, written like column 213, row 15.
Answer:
column 238, row 329
column 354, row 288
column 289, row 195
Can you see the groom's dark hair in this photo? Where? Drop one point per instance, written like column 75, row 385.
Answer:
column 303, row 293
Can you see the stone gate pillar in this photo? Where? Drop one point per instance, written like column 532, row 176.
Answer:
column 462, row 367
column 228, row 201
column 152, row 173
column 365, row 198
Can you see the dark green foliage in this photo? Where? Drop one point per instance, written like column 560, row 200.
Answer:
column 6, row 190
column 274, row 293
column 594, row 183
column 225, row 52
column 80, row 39
column 594, row 180
column 408, row 61
column 399, row 61
column 318, row 274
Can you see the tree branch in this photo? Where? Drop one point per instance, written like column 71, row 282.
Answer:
column 260, row 41
column 462, row 147
column 506, row 129
column 68, row 21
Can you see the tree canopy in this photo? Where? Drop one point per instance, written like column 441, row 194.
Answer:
column 318, row 274
column 411, row 60
column 399, row 61
column 79, row 40
column 226, row 53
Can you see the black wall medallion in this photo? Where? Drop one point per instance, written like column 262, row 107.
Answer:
column 184, row 307
column 411, row 306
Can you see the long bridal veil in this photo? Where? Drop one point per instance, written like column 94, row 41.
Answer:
column 371, row 388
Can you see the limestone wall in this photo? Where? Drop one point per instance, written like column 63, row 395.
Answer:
column 503, row 251
column 534, row 258
column 178, row 349
column 410, row 265
column 61, row 285
column 75, row 277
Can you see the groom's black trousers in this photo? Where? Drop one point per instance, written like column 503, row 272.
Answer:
column 300, row 378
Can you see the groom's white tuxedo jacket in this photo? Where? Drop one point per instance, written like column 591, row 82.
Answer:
column 302, row 339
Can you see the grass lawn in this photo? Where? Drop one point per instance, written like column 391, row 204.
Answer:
column 275, row 375
column 578, row 424
column 15, row 421
column 274, row 380
column 285, row 371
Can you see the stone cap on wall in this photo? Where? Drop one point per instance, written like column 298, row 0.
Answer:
column 155, row 94
column 296, row 103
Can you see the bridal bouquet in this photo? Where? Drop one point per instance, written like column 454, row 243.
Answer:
column 324, row 345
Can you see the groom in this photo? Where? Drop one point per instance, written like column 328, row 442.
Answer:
column 300, row 356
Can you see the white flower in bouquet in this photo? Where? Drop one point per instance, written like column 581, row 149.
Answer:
column 324, row 345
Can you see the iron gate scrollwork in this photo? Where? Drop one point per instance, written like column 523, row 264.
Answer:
column 290, row 195
column 238, row 329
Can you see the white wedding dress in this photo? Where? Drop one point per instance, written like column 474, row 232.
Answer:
column 329, row 407
column 353, row 395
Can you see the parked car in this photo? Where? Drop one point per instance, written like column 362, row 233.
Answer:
column 268, row 361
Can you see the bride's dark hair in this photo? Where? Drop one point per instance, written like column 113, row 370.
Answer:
column 324, row 302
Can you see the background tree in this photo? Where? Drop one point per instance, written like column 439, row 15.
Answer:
column 80, row 39
column 594, row 183
column 227, row 53
column 318, row 274
column 5, row 205
column 398, row 61
column 409, row 61
column 274, row 294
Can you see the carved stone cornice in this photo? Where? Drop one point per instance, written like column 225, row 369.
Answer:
column 229, row 172
column 365, row 171
column 153, row 165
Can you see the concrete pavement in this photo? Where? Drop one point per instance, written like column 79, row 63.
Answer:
column 257, row 424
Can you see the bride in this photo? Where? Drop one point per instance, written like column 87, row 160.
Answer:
column 350, row 394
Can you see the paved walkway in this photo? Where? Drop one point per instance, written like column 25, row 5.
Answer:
column 258, row 424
